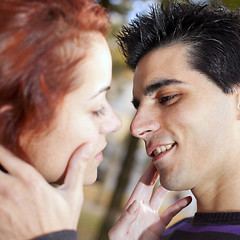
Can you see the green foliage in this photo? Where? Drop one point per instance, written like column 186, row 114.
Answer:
column 231, row 4
column 121, row 8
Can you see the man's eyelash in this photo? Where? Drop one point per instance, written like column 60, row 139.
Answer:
column 135, row 103
column 165, row 99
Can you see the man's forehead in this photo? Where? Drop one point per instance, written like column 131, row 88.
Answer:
column 161, row 66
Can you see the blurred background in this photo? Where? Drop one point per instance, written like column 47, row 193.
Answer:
column 125, row 158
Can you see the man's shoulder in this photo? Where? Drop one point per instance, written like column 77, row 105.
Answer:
column 61, row 235
column 211, row 226
column 182, row 224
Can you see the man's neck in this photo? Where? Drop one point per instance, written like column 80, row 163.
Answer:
column 219, row 196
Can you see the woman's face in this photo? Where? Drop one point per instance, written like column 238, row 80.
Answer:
column 84, row 116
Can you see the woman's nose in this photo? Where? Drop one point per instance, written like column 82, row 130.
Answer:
column 112, row 123
column 117, row 122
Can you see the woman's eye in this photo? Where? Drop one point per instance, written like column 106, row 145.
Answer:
column 99, row 112
column 167, row 99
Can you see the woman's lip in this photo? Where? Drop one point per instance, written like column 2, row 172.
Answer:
column 99, row 157
column 161, row 155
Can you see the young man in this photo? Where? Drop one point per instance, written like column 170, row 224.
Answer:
column 186, row 62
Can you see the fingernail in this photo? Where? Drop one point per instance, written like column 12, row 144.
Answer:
column 188, row 200
column 133, row 207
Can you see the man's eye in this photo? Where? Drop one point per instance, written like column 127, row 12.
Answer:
column 167, row 99
column 135, row 103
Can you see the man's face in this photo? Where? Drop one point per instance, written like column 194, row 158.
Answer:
column 188, row 124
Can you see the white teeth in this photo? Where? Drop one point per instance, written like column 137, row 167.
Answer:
column 157, row 151
column 168, row 146
column 162, row 149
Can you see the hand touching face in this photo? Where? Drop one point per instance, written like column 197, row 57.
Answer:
column 141, row 219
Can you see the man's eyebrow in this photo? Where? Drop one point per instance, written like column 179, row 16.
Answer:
column 159, row 83
column 105, row 89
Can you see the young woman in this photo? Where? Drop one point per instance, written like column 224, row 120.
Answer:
column 55, row 71
column 54, row 75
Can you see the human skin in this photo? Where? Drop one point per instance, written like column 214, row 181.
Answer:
column 198, row 118
column 70, row 148
column 180, row 107
column 84, row 116
column 67, row 199
column 164, row 116
column 140, row 219
column 30, row 206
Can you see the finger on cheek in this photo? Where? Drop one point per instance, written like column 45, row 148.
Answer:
column 83, row 153
column 76, row 168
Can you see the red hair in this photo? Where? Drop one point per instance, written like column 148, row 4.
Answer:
column 34, row 77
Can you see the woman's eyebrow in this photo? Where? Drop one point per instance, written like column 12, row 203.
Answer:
column 105, row 89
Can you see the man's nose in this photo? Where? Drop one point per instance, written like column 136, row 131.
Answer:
column 143, row 123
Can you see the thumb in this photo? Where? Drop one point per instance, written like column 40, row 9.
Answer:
column 76, row 170
column 125, row 221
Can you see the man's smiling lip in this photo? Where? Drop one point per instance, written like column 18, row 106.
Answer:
column 161, row 155
column 151, row 148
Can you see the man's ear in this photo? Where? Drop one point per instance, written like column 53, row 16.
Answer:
column 236, row 92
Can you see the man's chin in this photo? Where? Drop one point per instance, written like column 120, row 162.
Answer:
column 173, row 184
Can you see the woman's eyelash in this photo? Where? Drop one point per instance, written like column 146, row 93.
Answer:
column 99, row 112
column 165, row 99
